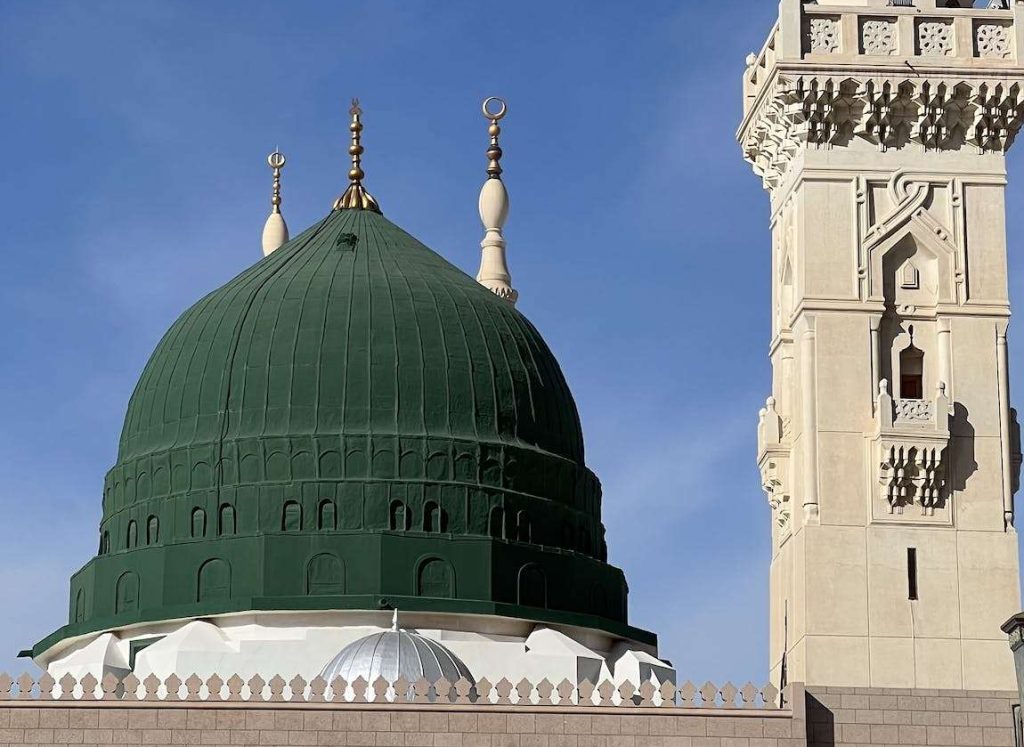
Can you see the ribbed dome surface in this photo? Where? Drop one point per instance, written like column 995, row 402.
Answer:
column 394, row 654
column 351, row 423
column 352, row 327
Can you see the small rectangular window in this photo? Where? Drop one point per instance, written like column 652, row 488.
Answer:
column 912, row 574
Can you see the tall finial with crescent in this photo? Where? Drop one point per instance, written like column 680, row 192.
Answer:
column 494, row 205
column 275, row 230
column 356, row 197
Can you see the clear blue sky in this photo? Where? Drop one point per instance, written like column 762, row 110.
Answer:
column 134, row 182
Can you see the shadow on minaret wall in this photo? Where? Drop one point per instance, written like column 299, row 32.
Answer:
column 964, row 462
column 821, row 724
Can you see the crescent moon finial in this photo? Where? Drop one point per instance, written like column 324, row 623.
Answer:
column 494, row 116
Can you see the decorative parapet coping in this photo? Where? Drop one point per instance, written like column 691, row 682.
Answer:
column 941, row 79
column 27, row 689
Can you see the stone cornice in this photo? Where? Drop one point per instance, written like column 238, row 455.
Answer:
column 809, row 106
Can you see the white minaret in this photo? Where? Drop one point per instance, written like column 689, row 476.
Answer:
column 888, row 448
column 494, row 206
column 275, row 230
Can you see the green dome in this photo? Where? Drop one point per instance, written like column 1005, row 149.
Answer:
column 351, row 423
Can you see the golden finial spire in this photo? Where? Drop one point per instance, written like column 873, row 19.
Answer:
column 275, row 230
column 494, row 151
column 356, row 197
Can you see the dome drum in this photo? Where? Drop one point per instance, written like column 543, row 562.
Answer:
column 351, row 424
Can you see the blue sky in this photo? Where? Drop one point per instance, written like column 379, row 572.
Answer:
column 135, row 181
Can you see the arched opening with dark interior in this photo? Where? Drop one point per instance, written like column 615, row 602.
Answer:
column 433, row 518
column 397, row 521
column 911, row 373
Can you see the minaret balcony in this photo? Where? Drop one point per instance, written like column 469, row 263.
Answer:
column 909, row 455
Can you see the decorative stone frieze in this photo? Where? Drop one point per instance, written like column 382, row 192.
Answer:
column 830, row 110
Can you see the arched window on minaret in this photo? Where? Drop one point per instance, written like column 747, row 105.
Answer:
column 911, row 373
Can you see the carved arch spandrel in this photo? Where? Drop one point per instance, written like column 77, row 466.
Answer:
column 910, row 194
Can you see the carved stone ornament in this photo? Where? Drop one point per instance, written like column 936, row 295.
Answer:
column 823, row 36
column 935, row 38
column 993, row 40
column 879, row 37
column 829, row 111
column 912, row 474
column 914, row 411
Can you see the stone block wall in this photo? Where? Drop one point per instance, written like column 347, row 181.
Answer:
column 379, row 725
column 881, row 716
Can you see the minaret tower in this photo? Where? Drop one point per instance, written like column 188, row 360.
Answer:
column 888, row 448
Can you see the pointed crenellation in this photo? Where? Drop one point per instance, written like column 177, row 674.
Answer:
column 356, row 197
column 275, row 230
column 494, row 205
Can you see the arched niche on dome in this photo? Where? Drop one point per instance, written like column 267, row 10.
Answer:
column 330, row 465
column 227, row 524
column 325, row 575
column 291, row 517
column 161, row 482
column 435, row 518
column 435, row 578
column 198, row 524
column 202, row 476
column 532, row 586
column 465, row 467
column 496, row 522
column 398, row 516
column 131, row 539
column 355, row 463
column 249, row 469
column 144, row 488
column 277, row 467
column 437, row 466
column 384, row 464
column 225, row 472
column 179, row 477
column 152, row 530
column 126, row 593
column 410, row 466
column 213, row 581
column 524, row 529
column 78, row 612
column 302, row 466
column 326, row 516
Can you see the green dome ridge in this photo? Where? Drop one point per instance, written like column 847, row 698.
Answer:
column 351, row 423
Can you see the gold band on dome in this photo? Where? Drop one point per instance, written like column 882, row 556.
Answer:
column 356, row 197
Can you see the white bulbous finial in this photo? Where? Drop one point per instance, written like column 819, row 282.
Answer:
column 494, row 205
column 275, row 230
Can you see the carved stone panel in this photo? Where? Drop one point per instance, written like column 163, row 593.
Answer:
column 935, row 38
column 822, row 35
column 992, row 40
column 878, row 36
